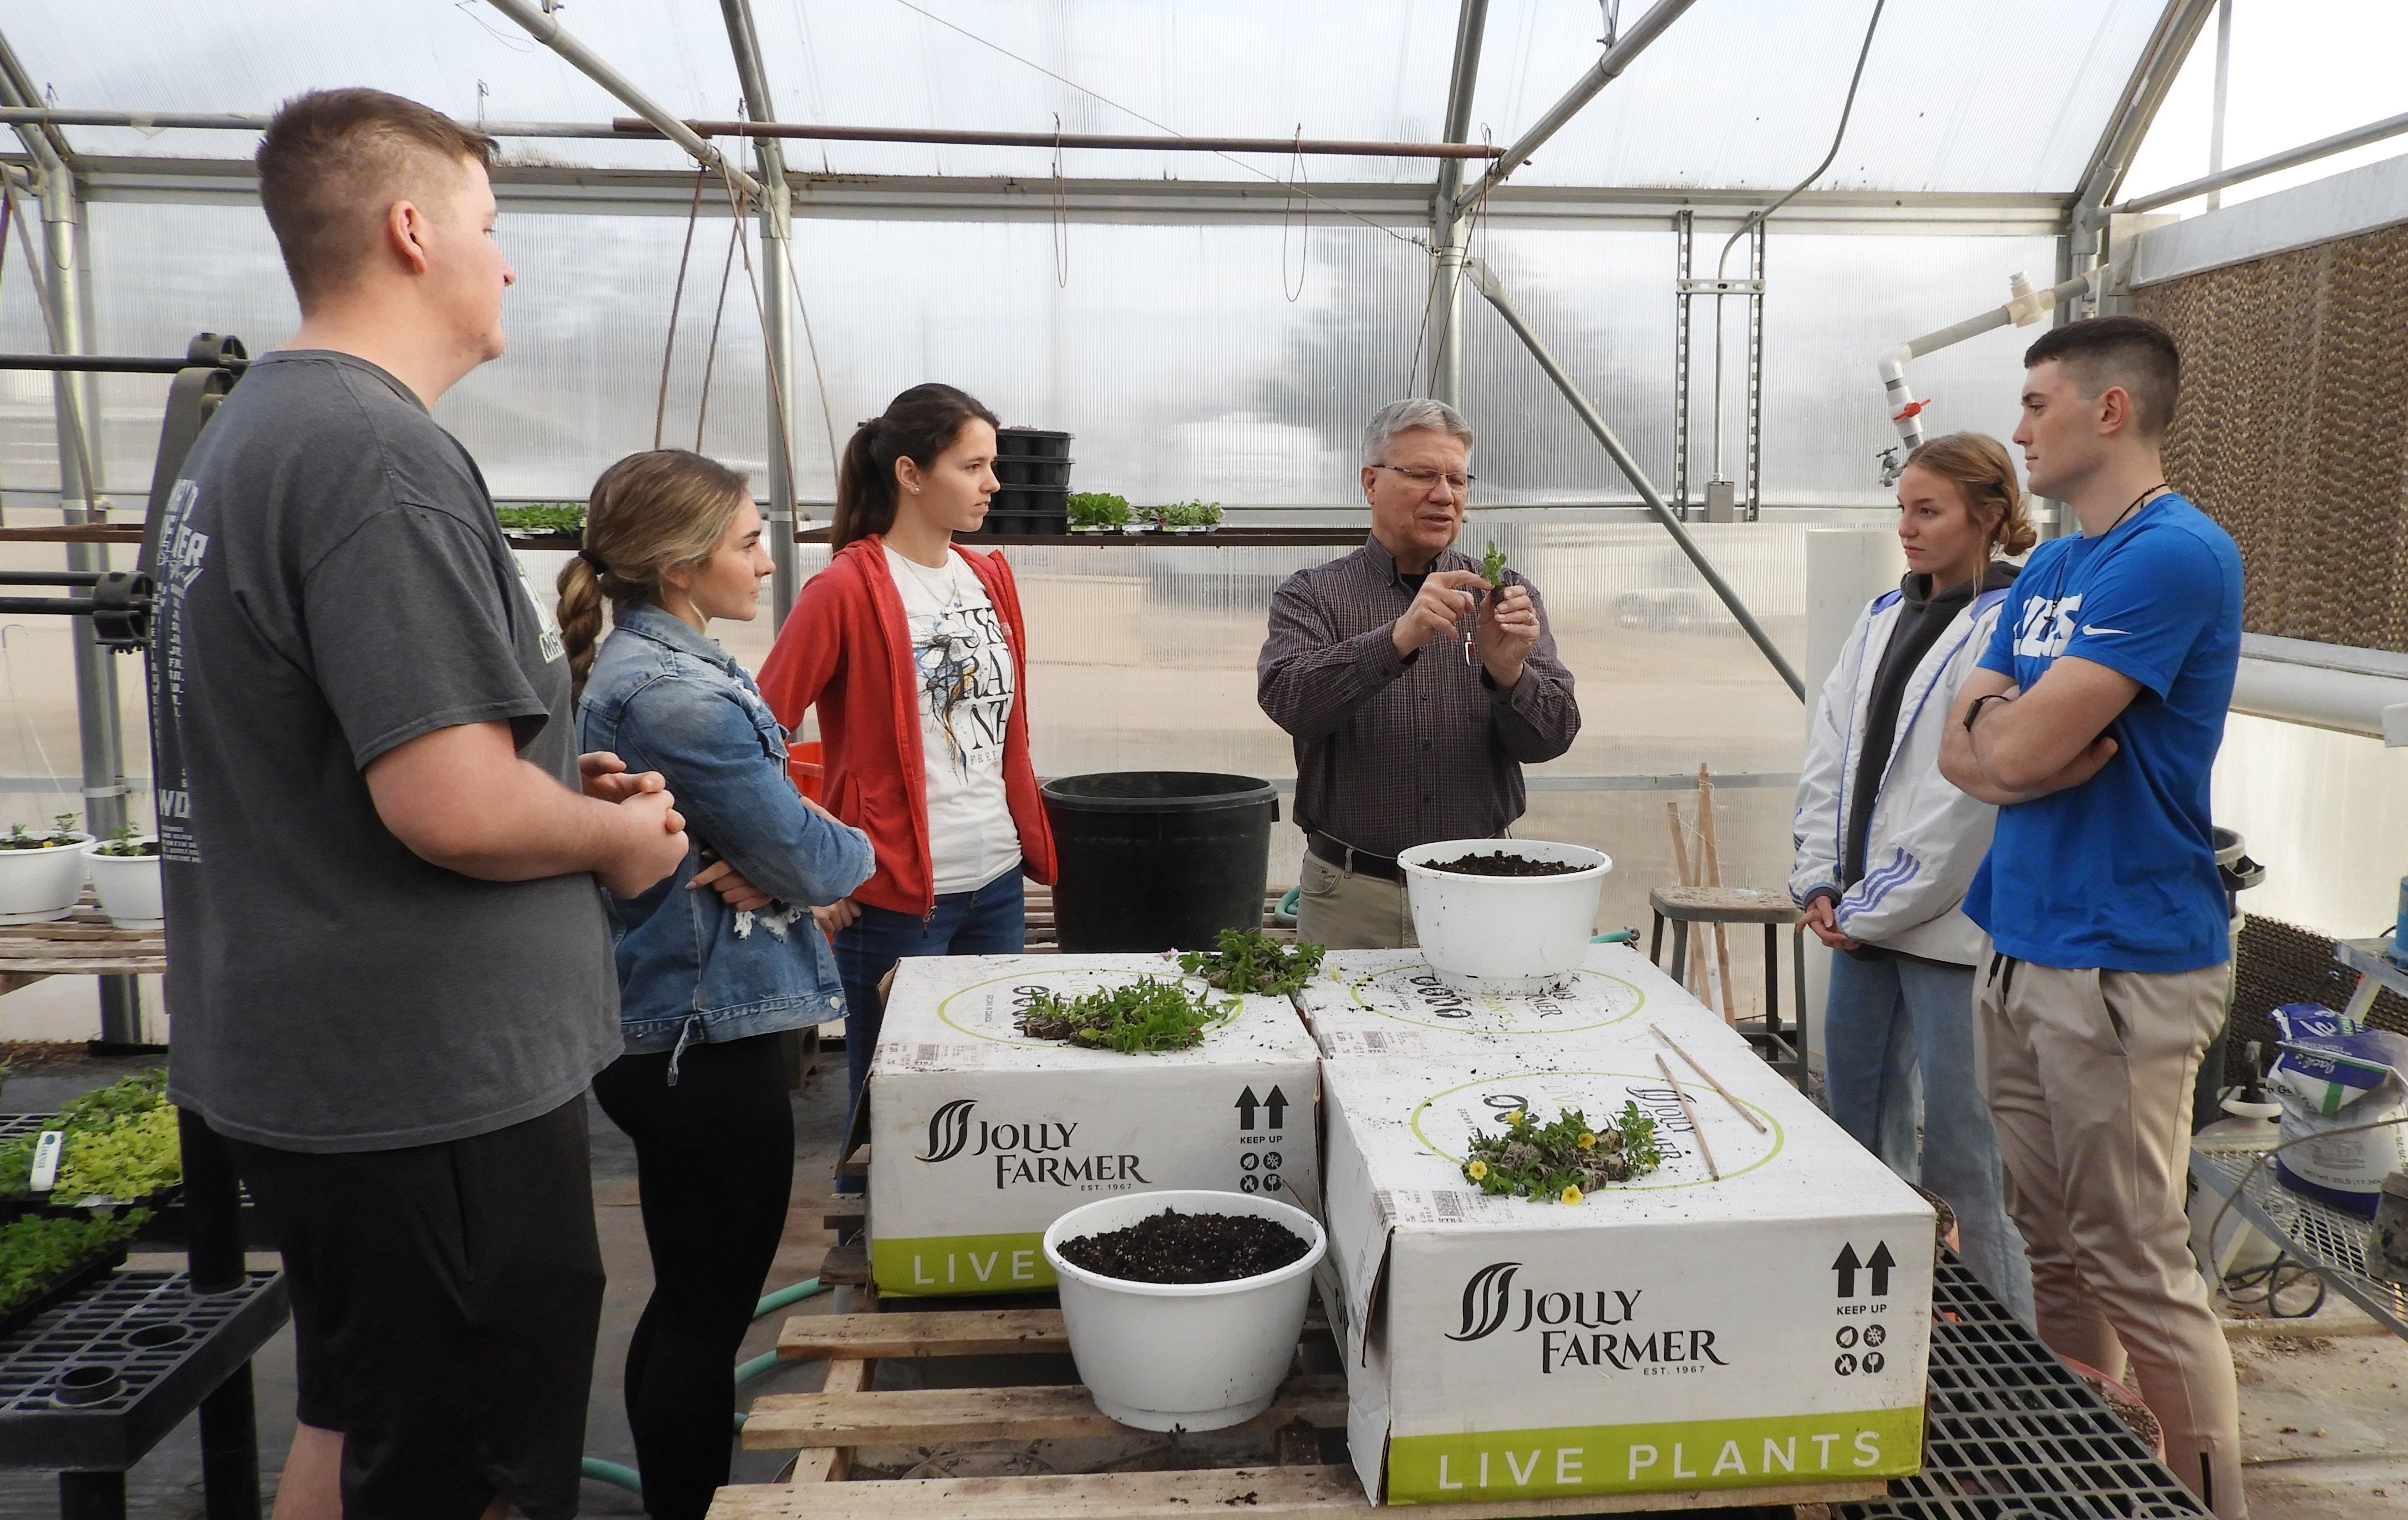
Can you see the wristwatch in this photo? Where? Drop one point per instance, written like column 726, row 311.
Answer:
column 1975, row 711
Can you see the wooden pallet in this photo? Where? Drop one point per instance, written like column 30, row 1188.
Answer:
column 847, row 1414
column 1039, row 909
column 84, row 943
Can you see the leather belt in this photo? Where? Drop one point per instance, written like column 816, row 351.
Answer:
column 1347, row 858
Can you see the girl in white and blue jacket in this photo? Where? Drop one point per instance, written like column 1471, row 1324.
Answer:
column 1887, row 848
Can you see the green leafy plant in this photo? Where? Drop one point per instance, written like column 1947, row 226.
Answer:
column 61, row 834
column 1250, row 961
column 1098, row 510
column 36, row 1253
column 132, row 1159
column 1185, row 514
column 128, row 842
column 1564, row 1160
column 543, row 517
column 1492, row 568
column 103, row 1109
column 1148, row 1014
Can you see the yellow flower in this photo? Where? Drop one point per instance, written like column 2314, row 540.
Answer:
column 1476, row 1170
column 1587, row 1142
column 1573, row 1194
column 1518, row 1118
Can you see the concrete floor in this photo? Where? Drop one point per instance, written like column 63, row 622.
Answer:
column 2323, row 1417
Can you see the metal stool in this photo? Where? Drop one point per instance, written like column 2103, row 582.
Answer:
column 1784, row 1051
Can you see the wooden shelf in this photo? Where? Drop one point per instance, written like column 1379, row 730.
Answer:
column 80, row 533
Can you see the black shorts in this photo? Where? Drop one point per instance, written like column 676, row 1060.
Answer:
column 445, row 1302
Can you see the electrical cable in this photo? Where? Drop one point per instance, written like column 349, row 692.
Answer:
column 692, row 215
column 1846, row 109
column 2215, row 1223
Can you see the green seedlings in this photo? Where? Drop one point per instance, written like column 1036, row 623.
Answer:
column 561, row 517
column 1098, row 510
column 58, row 837
column 1492, row 569
column 131, row 1160
column 127, row 843
column 1147, row 1015
column 1250, row 961
column 1564, row 1160
column 1185, row 514
column 152, row 1157
column 35, row 1253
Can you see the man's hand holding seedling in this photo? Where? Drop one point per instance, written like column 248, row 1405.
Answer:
column 1444, row 597
column 1508, row 630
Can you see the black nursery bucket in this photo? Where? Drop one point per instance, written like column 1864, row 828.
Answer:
column 1158, row 859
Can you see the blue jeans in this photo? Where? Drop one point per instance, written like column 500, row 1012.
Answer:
column 991, row 921
column 1898, row 1036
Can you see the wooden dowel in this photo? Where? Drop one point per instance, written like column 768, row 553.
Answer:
column 1711, row 874
column 1692, row 974
column 1695, row 1128
column 1744, row 1111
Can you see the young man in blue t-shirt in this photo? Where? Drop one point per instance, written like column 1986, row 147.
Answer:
column 2093, row 722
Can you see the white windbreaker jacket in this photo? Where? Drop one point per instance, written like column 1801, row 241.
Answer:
column 1927, row 838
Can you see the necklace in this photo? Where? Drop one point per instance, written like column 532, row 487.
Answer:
column 937, row 583
column 2133, row 508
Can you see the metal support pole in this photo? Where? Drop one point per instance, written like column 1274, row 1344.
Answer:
column 777, row 305
column 230, row 1450
column 1486, row 279
column 2223, row 85
column 1442, row 339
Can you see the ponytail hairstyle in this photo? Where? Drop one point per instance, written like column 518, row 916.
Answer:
column 921, row 423
column 1978, row 466
column 665, row 510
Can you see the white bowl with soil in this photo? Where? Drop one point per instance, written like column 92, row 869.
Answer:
column 1187, row 1353
column 43, row 880
column 1510, row 916
column 127, row 884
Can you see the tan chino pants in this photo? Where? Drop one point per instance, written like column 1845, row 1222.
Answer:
column 2088, row 1075
column 1341, row 910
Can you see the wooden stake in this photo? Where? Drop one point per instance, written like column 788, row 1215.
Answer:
column 1711, row 874
column 1692, row 975
column 1695, row 1128
column 1744, row 1111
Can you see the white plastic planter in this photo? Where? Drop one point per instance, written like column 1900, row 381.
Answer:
column 127, row 887
column 1504, row 934
column 1179, row 1356
column 38, row 885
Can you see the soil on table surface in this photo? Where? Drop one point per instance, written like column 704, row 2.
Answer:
column 1498, row 863
column 1174, row 1247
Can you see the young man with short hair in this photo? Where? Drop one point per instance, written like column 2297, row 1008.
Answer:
column 2094, row 722
column 388, row 959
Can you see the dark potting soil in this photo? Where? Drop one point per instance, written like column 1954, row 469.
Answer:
column 1498, row 863
column 1174, row 1247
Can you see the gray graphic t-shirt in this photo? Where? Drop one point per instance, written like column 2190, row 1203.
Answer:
column 333, row 584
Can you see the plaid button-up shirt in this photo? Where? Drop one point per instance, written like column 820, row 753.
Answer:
column 1393, row 752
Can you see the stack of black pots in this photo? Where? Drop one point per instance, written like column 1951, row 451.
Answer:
column 1033, row 465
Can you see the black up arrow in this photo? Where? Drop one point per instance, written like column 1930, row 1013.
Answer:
column 1878, row 1264
column 1846, row 1267
column 1277, row 1104
column 1247, row 1104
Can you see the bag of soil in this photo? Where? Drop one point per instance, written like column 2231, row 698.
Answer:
column 2334, row 1074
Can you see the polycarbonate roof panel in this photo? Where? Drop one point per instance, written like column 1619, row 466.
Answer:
column 1995, row 95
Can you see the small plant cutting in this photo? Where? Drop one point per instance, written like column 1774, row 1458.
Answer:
column 61, row 835
column 562, row 517
column 1145, row 1016
column 126, row 844
column 1250, row 961
column 35, row 1253
column 1564, row 1160
column 1096, row 510
column 135, row 1164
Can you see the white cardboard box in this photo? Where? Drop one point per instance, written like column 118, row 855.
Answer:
column 1391, row 1003
column 1678, row 1333
column 981, row 1136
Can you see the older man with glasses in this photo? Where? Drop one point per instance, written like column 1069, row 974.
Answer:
column 1414, row 690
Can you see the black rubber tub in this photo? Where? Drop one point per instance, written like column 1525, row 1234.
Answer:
column 1158, row 859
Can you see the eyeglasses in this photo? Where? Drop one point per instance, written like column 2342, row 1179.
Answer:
column 1428, row 478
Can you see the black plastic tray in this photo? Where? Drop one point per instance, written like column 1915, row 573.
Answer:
column 1031, row 443
column 67, row 1284
column 1013, row 472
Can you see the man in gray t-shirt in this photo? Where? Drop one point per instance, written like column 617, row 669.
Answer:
column 389, row 966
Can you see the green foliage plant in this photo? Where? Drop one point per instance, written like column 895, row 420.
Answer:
column 128, row 843
column 1564, row 1160
column 150, row 1157
column 564, row 517
column 61, row 834
column 1147, row 1015
column 1250, row 961
column 1098, row 510
column 35, row 1253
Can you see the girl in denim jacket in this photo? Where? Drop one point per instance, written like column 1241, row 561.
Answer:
column 715, row 962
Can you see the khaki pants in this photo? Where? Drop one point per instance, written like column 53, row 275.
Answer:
column 2089, row 1076
column 1340, row 909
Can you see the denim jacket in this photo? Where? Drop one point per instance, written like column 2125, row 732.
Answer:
column 663, row 697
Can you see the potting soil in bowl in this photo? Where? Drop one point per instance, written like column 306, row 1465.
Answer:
column 1499, row 862
column 1516, row 919
column 1174, row 1247
column 982, row 1135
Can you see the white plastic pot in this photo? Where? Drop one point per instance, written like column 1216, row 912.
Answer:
column 1504, row 934
column 38, row 885
column 127, row 887
column 1176, row 1356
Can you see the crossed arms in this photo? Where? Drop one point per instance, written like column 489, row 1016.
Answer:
column 2028, row 744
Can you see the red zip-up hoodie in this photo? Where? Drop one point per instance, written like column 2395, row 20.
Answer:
column 847, row 647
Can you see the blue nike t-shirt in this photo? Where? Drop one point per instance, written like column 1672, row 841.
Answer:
column 2119, row 872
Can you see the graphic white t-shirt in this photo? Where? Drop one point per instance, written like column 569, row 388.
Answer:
column 965, row 692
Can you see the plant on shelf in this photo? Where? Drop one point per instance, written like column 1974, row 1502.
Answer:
column 1564, row 1160
column 126, row 1161
column 127, row 843
column 1250, row 961
column 1194, row 516
column 137, row 1102
column 35, row 1253
column 62, row 833
column 1096, row 510
column 561, row 517
column 1146, row 1015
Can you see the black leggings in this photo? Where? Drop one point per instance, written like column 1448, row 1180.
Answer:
column 714, row 1165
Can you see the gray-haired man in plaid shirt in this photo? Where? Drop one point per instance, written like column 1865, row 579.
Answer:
column 1404, row 733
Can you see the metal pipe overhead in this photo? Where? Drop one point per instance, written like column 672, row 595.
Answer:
column 46, row 116
column 1626, row 48
column 542, row 26
column 777, row 306
column 2291, row 157
column 1486, row 279
column 1444, row 335
column 2169, row 46
column 1162, row 142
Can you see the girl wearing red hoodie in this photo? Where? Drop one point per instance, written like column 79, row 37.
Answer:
column 915, row 653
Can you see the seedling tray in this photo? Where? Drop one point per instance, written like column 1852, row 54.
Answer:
column 67, row 1284
column 164, row 1349
column 15, row 1126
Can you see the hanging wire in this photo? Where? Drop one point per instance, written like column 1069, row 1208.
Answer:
column 737, row 205
column 694, row 213
column 719, row 315
column 1304, row 241
column 1848, row 109
column 1061, row 214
